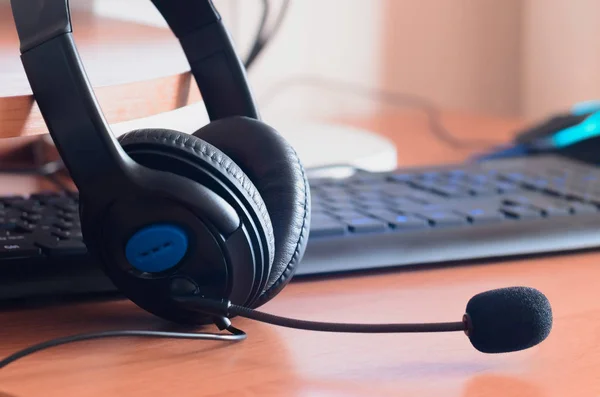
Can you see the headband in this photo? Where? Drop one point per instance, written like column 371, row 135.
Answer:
column 66, row 98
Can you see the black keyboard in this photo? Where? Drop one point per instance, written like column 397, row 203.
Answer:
column 434, row 215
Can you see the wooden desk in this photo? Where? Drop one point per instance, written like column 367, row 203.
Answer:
column 136, row 70
column 282, row 362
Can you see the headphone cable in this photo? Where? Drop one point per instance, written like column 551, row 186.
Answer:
column 398, row 99
column 262, row 39
column 223, row 323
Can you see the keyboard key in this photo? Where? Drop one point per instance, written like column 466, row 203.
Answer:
column 396, row 190
column 480, row 178
column 8, row 223
column 521, row 212
column 366, row 224
column 10, row 199
column 341, row 206
column 481, row 215
column 44, row 197
column 363, row 196
column 449, row 190
column 10, row 237
column 506, row 187
column 321, row 217
column 550, row 206
column 431, row 175
column 365, row 179
column 65, row 204
column 521, row 178
column 18, row 249
column 387, row 216
column 29, row 206
column 423, row 197
column 556, row 210
column 445, row 218
column 347, row 215
column 25, row 227
column 327, row 228
column 44, row 228
column 517, row 200
column 373, row 205
column 358, row 189
column 62, row 234
column 48, row 221
column 484, row 190
column 407, row 222
column 400, row 202
column 69, row 207
column 584, row 208
column 458, row 173
column 55, row 247
column 63, row 225
column 31, row 218
column 76, row 234
column 68, row 216
column 401, row 177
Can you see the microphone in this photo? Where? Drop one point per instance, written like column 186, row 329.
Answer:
column 508, row 319
column 497, row 321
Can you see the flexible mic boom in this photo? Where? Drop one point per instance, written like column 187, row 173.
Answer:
column 496, row 321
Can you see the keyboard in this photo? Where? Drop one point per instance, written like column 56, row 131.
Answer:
column 439, row 215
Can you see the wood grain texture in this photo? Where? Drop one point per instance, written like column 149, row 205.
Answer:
column 136, row 70
column 283, row 362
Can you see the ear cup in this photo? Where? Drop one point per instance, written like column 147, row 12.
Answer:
column 276, row 171
column 167, row 145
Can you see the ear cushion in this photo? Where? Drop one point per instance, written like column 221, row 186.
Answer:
column 276, row 171
column 206, row 155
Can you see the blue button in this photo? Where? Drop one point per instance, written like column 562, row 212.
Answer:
column 156, row 248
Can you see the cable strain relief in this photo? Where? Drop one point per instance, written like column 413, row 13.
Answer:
column 223, row 323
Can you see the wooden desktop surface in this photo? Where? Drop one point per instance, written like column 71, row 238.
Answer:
column 283, row 362
column 136, row 70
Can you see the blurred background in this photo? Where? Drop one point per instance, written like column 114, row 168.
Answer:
column 516, row 58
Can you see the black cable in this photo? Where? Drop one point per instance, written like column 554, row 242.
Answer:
column 255, row 49
column 279, row 21
column 236, row 335
column 394, row 98
column 263, row 38
column 252, row 314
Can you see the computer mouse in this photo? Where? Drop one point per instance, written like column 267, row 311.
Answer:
column 574, row 134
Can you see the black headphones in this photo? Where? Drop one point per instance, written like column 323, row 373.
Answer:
column 223, row 213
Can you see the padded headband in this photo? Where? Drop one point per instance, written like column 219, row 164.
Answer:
column 66, row 98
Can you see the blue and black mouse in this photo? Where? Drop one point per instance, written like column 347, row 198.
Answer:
column 574, row 134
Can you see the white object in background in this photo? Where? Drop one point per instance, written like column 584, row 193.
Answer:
column 321, row 144
column 318, row 144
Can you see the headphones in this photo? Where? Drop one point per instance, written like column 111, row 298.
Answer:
column 222, row 214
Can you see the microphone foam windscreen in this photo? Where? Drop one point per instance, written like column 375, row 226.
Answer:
column 508, row 319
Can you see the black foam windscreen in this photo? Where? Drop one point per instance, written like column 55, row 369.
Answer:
column 508, row 319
